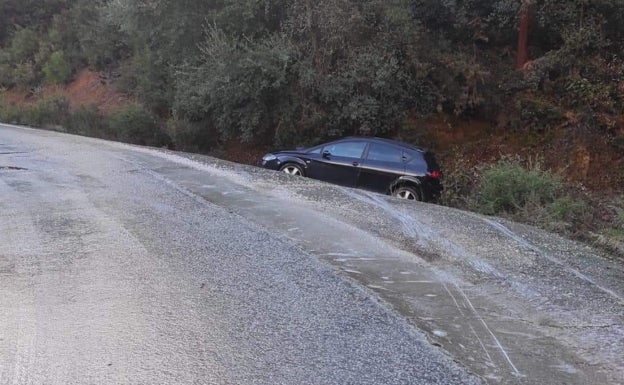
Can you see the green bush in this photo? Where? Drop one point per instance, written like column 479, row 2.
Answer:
column 191, row 136
column 528, row 194
column 49, row 113
column 87, row 121
column 57, row 69
column 134, row 124
column 10, row 113
column 52, row 113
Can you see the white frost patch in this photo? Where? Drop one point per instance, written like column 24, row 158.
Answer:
column 235, row 176
column 340, row 255
column 423, row 235
column 419, row 281
column 565, row 368
column 440, row 333
column 524, row 243
column 377, row 287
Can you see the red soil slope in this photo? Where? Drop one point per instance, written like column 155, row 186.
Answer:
column 89, row 89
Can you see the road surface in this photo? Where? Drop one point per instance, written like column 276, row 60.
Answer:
column 128, row 265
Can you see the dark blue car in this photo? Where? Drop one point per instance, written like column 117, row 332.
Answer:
column 375, row 164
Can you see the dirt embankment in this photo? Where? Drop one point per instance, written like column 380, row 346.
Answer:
column 583, row 157
column 89, row 89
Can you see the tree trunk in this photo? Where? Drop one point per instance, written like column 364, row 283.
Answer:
column 523, row 35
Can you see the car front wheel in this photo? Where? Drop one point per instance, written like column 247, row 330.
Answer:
column 292, row 169
column 407, row 192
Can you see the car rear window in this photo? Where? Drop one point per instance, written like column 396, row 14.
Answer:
column 384, row 153
column 346, row 149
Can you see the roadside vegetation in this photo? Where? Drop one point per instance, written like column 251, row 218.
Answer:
column 522, row 191
column 200, row 75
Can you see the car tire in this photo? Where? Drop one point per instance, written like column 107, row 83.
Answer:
column 408, row 193
column 292, row 169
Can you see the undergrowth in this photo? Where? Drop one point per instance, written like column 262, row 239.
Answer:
column 519, row 190
column 132, row 124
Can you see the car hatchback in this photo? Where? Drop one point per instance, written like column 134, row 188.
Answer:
column 375, row 164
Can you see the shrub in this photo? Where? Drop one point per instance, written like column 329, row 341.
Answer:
column 538, row 114
column 10, row 113
column 87, row 121
column 57, row 69
column 134, row 124
column 459, row 182
column 191, row 136
column 48, row 113
column 528, row 194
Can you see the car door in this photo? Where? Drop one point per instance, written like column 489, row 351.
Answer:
column 338, row 162
column 383, row 164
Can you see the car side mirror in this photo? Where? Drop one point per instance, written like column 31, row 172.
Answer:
column 326, row 154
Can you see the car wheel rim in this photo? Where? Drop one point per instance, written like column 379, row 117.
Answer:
column 291, row 170
column 406, row 194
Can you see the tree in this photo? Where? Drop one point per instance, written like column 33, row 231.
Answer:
column 523, row 33
column 242, row 86
column 57, row 70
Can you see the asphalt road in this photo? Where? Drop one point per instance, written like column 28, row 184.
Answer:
column 110, row 274
column 128, row 265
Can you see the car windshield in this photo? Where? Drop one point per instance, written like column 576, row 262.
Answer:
column 315, row 150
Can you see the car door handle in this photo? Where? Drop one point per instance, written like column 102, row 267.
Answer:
column 356, row 164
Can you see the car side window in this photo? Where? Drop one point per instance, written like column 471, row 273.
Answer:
column 346, row 149
column 384, row 153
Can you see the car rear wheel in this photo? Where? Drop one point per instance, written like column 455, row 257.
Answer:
column 292, row 169
column 408, row 193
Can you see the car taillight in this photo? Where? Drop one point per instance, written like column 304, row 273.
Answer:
column 434, row 174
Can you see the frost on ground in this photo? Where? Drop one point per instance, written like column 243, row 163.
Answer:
column 511, row 303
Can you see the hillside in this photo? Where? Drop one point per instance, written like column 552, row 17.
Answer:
column 529, row 87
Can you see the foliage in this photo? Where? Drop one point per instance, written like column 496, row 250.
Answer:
column 538, row 114
column 286, row 72
column 87, row 121
column 460, row 178
column 57, row 69
column 134, row 124
column 10, row 113
column 527, row 193
column 47, row 113
column 191, row 136
column 240, row 85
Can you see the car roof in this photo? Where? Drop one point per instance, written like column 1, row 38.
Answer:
column 387, row 141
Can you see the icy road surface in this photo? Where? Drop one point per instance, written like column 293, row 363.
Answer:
column 128, row 265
